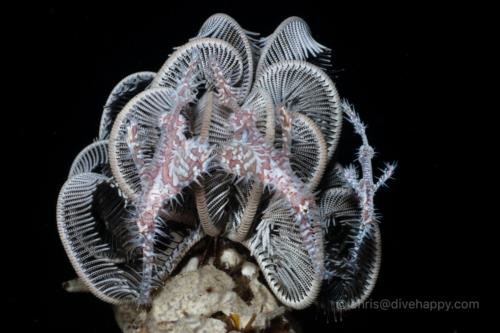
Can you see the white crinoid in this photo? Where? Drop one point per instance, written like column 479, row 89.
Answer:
column 230, row 138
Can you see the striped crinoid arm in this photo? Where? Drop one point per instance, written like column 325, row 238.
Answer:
column 212, row 192
column 172, row 240
column 292, row 40
column 211, row 120
column 180, row 210
column 121, row 94
column 308, row 150
column 224, row 27
column 136, row 135
column 88, row 212
column 93, row 158
column 138, row 121
column 212, row 199
column 100, row 236
column 92, row 219
column 203, row 52
column 352, row 251
column 176, row 231
column 247, row 200
column 287, row 266
column 304, row 88
column 333, row 177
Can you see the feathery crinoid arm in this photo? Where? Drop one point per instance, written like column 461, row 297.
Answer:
column 121, row 94
column 93, row 158
column 203, row 51
column 135, row 137
column 304, row 88
column 89, row 217
column 352, row 250
column 212, row 192
column 224, row 27
column 292, row 40
column 287, row 266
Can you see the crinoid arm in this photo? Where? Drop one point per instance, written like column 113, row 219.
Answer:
column 93, row 158
column 353, row 251
column 202, row 52
column 143, row 111
column 224, row 27
column 83, row 220
column 212, row 192
column 292, row 40
column 248, row 195
column 121, row 94
column 309, row 154
column 287, row 266
column 304, row 88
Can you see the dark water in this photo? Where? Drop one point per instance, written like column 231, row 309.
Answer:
column 397, row 65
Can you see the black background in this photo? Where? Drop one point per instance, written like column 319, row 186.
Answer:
column 401, row 67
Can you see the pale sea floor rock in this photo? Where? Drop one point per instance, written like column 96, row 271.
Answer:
column 205, row 300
